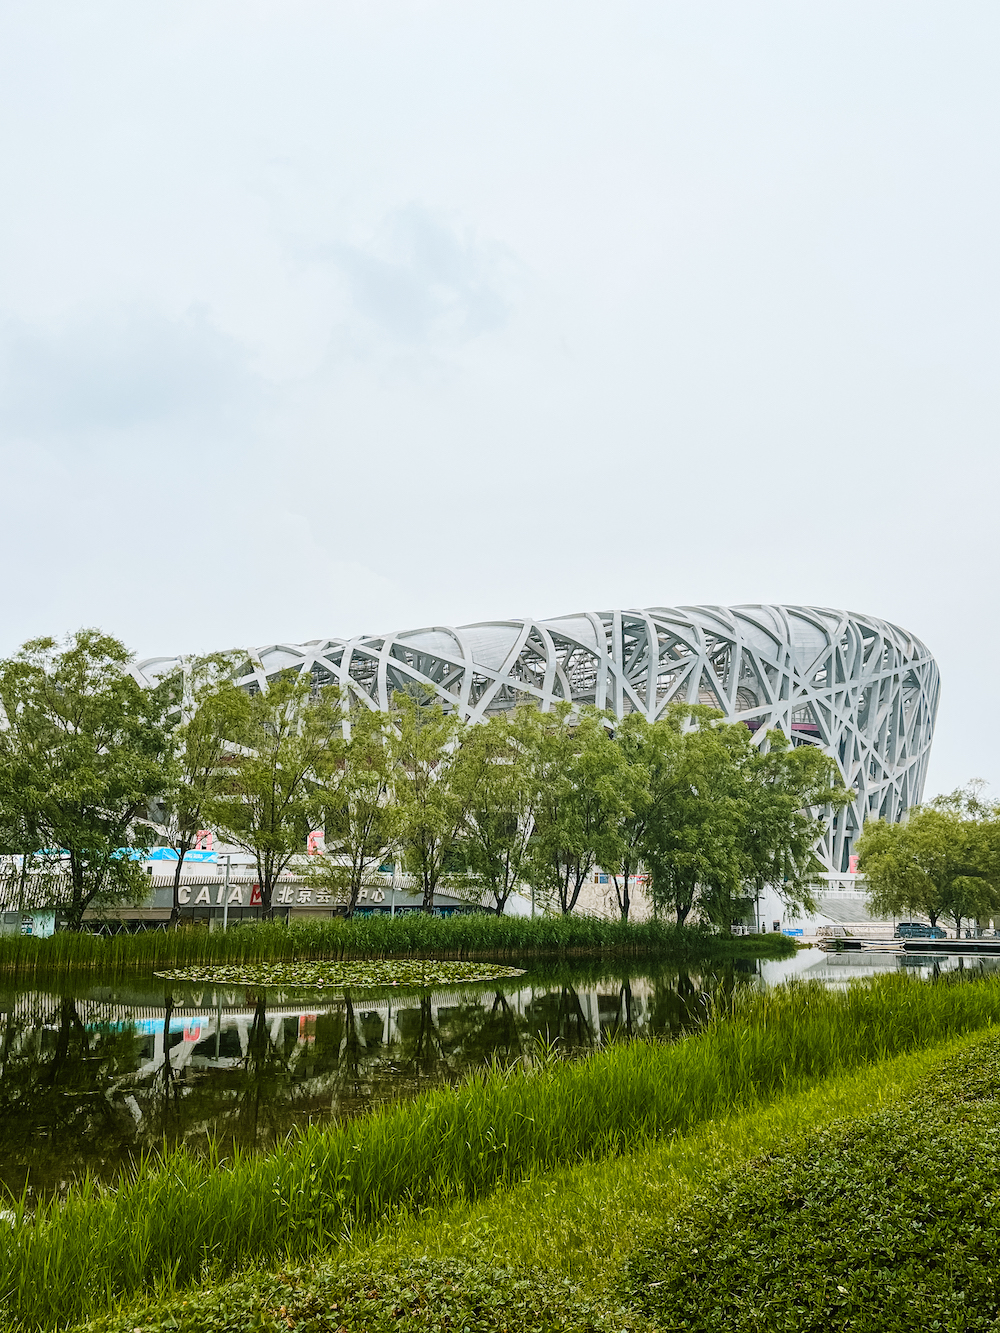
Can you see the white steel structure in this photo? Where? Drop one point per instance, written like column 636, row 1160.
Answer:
column 862, row 689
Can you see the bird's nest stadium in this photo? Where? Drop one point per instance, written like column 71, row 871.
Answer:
column 864, row 690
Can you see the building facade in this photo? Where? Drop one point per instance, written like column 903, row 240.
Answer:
column 862, row 689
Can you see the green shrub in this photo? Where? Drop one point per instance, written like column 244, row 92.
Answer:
column 884, row 1226
column 419, row 1296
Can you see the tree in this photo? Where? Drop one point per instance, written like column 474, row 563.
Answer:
column 209, row 706
column 941, row 861
column 84, row 751
column 692, row 837
column 268, row 800
column 493, row 779
column 360, row 817
column 580, row 777
column 432, row 808
column 646, row 749
column 784, row 787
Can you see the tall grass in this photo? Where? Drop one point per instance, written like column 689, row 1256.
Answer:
column 412, row 935
column 174, row 1217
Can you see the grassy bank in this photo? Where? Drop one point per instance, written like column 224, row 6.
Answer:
column 177, row 1217
column 410, row 936
column 878, row 1226
column 557, row 1252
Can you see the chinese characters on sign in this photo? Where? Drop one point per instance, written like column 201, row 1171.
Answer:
column 285, row 895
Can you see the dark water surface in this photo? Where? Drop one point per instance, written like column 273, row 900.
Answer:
column 93, row 1074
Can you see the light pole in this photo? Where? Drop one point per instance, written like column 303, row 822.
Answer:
column 225, row 899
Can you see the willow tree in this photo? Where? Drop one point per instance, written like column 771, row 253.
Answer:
column 786, row 790
column 208, row 706
column 277, row 744
column 581, row 779
column 432, row 807
column 357, row 807
column 495, row 779
column 943, row 860
column 692, row 840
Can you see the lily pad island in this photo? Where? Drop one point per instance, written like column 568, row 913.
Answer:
column 410, row 972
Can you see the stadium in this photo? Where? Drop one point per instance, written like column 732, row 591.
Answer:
column 864, row 690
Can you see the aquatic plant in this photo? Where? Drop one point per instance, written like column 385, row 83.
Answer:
column 416, row 972
column 414, row 935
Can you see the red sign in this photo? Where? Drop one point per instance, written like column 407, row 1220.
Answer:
column 255, row 899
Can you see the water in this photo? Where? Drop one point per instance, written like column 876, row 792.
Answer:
column 92, row 1075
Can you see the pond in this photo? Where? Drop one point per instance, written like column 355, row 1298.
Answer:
column 93, row 1074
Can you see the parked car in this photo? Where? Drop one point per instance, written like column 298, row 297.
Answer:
column 919, row 930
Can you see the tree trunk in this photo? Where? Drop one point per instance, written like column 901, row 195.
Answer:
column 427, row 903
column 175, row 907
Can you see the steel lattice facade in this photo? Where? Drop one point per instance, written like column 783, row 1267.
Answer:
column 864, row 690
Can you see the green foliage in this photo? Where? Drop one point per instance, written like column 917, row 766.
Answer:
column 418, row 972
column 356, row 802
column 278, row 743
column 175, row 1217
column 372, row 1296
column 84, row 753
column 885, row 1225
column 581, row 779
column 209, row 708
column 432, row 806
column 499, row 794
column 944, row 860
column 692, row 838
column 784, row 787
column 584, row 1221
column 726, row 817
column 647, row 752
column 410, row 936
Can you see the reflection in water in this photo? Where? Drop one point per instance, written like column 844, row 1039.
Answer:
column 90, row 1078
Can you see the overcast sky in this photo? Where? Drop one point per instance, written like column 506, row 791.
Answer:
column 326, row 318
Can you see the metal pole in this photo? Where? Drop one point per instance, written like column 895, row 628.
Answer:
column 226, row 897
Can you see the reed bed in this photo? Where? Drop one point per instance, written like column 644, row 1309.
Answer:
column 415, row 935
column 176, row 1218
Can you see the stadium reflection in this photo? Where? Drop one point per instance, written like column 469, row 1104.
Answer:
column 93, row 1077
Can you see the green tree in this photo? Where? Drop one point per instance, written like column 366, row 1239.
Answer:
column 494, row 782
column 941, row 861
column 785, row 790
column 648, row 749
column 278, row 743
column 209, row 706
column 580, row 776
column 84, row 752
column 432, row 808
column 361, row 820
column 692, row 838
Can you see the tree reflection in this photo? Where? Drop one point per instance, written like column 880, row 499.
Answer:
column 80, row 1089
column 55, row 1107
